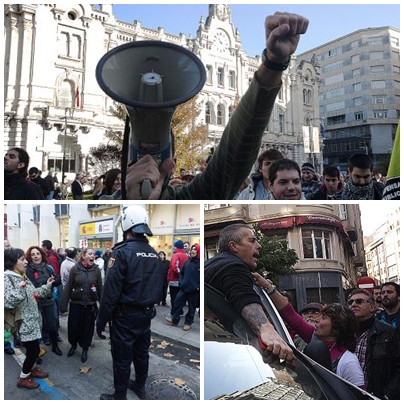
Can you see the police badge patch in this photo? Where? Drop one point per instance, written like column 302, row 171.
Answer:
column 111, row 262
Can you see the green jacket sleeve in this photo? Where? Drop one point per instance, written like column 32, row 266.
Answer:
column 237, row 151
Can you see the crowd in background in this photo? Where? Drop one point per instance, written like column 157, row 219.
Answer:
column 70, row 282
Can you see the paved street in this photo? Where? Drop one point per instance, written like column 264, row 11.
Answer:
column 174, row 367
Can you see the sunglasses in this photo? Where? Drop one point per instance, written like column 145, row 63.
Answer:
column 357, row 301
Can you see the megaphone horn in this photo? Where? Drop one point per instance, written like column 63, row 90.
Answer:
column 150, row 78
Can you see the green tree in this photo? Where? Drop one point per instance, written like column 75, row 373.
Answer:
column 276, row 259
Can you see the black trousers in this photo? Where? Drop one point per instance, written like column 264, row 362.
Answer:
column 130, row 341
column 31, row 355
column 80, row 324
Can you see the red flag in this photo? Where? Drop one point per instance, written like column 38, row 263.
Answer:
column 77, row 98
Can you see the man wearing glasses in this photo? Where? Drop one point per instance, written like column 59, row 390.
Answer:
column 377, row 348
column 35, row 177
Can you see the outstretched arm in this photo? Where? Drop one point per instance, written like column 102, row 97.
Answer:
column 256, row 318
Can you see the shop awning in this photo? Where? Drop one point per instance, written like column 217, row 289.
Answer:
column 319, row 219
column 279, row 223
column 212, row 233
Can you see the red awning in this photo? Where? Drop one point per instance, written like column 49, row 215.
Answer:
column 319, row 219
column 212, row 233
column 280, row 223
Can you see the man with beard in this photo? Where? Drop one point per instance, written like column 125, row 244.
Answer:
column 16, row 184
column 377, row 348
column 391, row 304
column 230, row 273
column 359, row 185
column 377, row 296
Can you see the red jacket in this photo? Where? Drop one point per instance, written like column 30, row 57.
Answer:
column 177, row 261
column 53, row 260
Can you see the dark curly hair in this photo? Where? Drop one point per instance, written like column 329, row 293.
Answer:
column 40, row 249
column 344, row 324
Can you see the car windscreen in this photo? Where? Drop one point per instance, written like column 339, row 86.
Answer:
column 302, row 376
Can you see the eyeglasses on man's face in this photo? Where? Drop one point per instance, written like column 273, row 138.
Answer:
column 357, row 301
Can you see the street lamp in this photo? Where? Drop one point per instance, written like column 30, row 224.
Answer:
column 68, row 113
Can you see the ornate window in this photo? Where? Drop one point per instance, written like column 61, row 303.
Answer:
column 220, row 76
column 220, row 115
column 316, row 244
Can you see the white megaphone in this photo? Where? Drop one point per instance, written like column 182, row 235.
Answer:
column 150, row 78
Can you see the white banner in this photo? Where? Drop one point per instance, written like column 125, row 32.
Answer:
column 306, row 139
column 316, row 139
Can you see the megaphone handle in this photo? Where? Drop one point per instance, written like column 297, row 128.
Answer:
column 146, row 190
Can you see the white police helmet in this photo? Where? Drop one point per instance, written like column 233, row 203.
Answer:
column 136, row 218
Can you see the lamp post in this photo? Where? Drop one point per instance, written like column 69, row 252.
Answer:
column 69, row 111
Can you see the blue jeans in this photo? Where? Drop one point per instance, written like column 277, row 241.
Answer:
column 180, row 301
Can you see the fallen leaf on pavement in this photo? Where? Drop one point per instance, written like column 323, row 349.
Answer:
column 85, row 369
column 163, row 345
column 168, row 355
column 195, row 360
column 179, row 382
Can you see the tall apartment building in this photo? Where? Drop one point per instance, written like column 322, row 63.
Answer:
column 55, row 109
column 359, row 94
column 327, row 238
column 383, row 251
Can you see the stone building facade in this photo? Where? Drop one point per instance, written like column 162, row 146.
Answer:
column 55, row 109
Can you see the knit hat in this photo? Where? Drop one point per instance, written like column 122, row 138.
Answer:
column 179, row 244
column 98, row 253
column 308, row 167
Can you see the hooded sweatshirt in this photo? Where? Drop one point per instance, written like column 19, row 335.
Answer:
column 190, row 273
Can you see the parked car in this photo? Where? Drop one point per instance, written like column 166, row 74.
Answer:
column 235, row 369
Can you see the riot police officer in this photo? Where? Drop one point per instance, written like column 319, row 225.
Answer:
column 133, row 284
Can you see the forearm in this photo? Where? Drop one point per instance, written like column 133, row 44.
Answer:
column 238, row 148
column 268, row 78
column 256, row 318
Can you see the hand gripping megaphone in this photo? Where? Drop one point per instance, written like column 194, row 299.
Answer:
column 150, row 78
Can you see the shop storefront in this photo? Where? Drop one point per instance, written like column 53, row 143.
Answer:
column 169, row 223
column 98, row 233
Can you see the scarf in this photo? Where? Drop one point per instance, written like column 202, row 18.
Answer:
column 353, row 192
column 36, row 268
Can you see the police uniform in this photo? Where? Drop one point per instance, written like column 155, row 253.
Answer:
column 133, row 284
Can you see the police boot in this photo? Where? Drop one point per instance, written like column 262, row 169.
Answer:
column 137, row 388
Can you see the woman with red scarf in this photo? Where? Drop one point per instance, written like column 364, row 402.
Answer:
column 83, row 290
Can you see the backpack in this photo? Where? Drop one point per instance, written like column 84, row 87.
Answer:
column 12, row 317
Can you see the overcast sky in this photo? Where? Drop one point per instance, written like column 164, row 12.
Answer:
column 374, row 214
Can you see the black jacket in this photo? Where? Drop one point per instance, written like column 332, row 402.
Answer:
column 190, row 276
column 135, row 277
column 383, row 361
column 79, row 285
column 230, row 275
column 18, row 187
column 39, row 277
column 43, row 185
